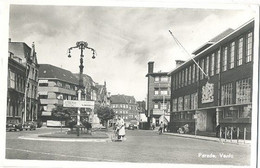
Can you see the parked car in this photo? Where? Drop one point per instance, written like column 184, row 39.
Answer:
column 13, row 126
column 30, row 125
column 131, row 127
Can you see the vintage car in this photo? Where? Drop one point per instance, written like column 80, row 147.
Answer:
column 30, row 125
column 14, row 126
column 131, row 127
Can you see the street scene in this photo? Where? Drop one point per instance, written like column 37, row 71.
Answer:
column 140, row 146
column 131, row 84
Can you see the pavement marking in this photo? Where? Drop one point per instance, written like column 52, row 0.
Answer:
column 71, row 156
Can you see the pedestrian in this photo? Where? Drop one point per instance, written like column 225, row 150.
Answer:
column 161, row 128
column 120, row 127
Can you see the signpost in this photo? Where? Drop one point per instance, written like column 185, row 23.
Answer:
column 78, row 104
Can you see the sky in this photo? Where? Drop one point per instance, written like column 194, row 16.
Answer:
column 125, row 38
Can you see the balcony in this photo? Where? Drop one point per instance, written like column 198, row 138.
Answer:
column 160, row 97
column 51, row 101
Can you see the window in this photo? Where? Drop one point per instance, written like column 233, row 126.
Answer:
column 207, row 66
column 186, row 102
column 12, row 79
column 197, row 71
column 182, row 76
column 232, row 55
column 193, row 73
column 180, row 103
column 249, row 47
column 194, row 101
column 240, row 52
column 243, row 91
column 226, row 94
column 163, row 106
column 164, row 79
column 156, row 92
column 164, row 92
column 224, row 59
column 155, row 106
column 174, row 84
column 43, row 96
column 186, row 77
column 202, row 66
column 244, row 111
column 174, row 104
column 156, row 79
column 189, row 75
column 218, row 62
column 212, row 64
column 179, row 79
column 227, row 113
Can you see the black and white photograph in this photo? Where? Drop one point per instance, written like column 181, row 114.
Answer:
column 129, row 84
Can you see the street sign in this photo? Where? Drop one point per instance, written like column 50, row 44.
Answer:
column 77, row 103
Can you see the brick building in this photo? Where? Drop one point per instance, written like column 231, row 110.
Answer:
column 223, row 95
column 158, row 97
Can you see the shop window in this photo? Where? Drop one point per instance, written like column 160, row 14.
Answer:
column 244, row 111
column 243, row 91
column 227, row 113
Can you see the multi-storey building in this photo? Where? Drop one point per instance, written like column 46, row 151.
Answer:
column 221, row 93
column 16, row 88
column 141, row 106
column 125, row 106
column 55, row 85
column 158, row 98
column 27, row 57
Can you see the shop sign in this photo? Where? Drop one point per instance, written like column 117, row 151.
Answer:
column 207, row 93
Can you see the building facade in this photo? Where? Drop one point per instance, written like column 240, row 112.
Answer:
column 158, row 97
column 16, row 89
column 125, row 106
column 27, row 57
column 55, row 85
column 221, row 93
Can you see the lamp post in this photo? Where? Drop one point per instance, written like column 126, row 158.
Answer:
column 82, row 45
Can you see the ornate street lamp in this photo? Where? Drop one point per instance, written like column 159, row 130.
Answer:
column 82, row 45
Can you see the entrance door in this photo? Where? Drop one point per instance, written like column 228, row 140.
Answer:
column 211, row 120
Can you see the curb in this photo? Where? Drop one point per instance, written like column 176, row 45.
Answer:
column 234, row 141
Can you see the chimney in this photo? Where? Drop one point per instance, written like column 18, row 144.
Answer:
column 179, row 62
column 150, row 67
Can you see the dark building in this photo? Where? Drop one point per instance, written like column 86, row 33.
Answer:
column 26, row 56
column 16, row 88
column 223, row 95
column 159, row 92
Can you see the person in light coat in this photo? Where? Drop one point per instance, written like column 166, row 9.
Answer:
column 120, row 127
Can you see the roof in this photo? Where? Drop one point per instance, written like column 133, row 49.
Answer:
column 213, row 40
column 214, row 46
column 122, row 99
column 157, row 74
column 23, row 51
column 47, row 71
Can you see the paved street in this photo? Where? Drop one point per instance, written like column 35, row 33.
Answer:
column 140, row 146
